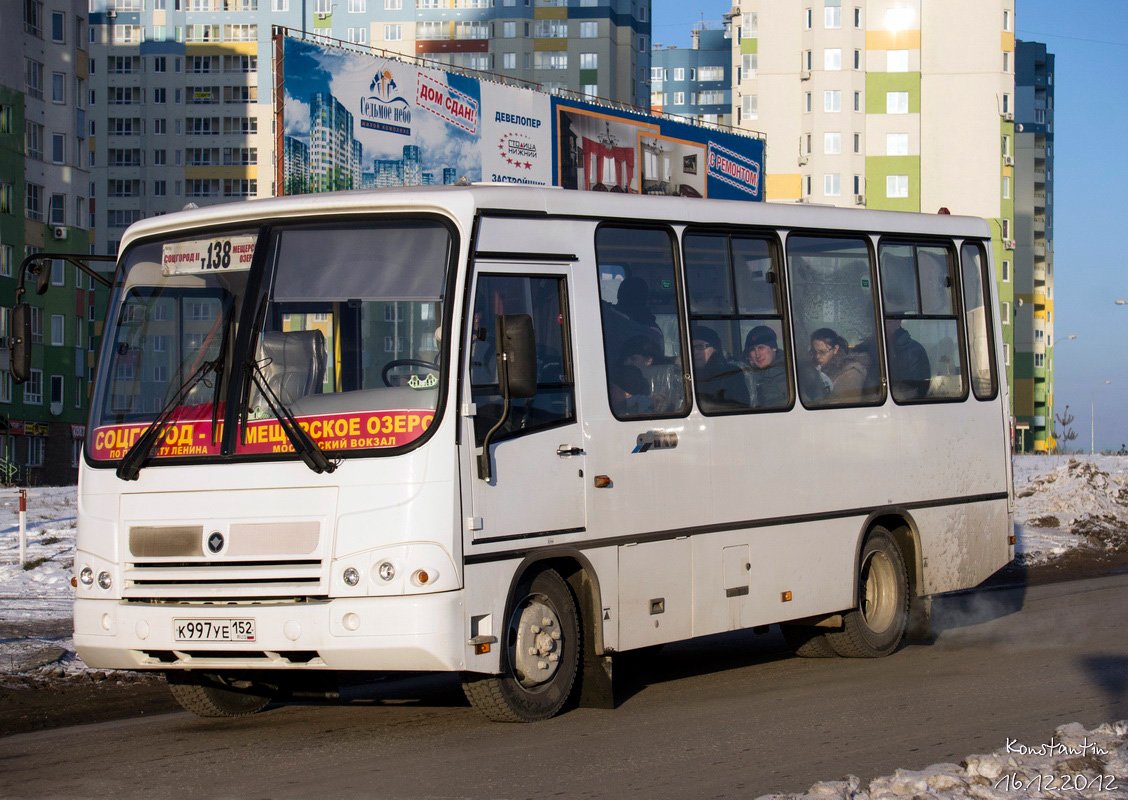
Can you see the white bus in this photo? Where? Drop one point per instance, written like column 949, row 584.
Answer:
column 508, row 432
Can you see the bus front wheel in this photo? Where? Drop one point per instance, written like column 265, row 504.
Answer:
column 539, row 654
column 876, row 627
column 217, row 695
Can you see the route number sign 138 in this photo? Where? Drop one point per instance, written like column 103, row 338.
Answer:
column 217, row 254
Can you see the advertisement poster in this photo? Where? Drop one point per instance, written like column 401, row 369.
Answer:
column 355, row 121
column 359, row 121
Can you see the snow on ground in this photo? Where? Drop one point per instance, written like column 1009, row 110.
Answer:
column 1066, row 502
column 1074, row 764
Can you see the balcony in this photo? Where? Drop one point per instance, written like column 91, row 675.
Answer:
column 1040, row 200
column 1039, row 274
column 1040, row 224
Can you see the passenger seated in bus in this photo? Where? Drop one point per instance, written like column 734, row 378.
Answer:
column 846, row 369
column 766, row 375
column 630, row 315
column 720, row 384
column 909, row 370
column 630, row 392
column 665, row 378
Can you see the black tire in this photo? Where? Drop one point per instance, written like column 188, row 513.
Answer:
column 532, row 687
column 215, row 695
column 808, row 641
column 876, row 627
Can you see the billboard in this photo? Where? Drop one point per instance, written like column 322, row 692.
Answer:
column 351, row 120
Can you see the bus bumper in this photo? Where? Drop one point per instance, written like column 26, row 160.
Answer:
column 418, row 632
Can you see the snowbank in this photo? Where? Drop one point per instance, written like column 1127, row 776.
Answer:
column 1075, row 763
column 1068, row 502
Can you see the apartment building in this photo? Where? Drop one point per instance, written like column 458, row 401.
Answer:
column 902, row 105
column 1032, row 270
column 44, row 208
column 694, row 82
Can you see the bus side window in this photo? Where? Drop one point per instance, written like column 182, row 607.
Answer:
column 922, row 335
column 980, row 343
column 641, row 322
column 834, row 313
column 735, row 296
column 543, row 298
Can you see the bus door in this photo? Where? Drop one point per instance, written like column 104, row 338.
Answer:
column 535, row 486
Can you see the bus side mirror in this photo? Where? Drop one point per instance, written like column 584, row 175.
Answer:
column 43, row 277
column 20, row 334
column 519, row 351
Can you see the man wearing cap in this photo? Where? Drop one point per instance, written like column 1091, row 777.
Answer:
column 767, row 373
column 720, row 385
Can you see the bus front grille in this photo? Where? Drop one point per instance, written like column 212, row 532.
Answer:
column 210, row 579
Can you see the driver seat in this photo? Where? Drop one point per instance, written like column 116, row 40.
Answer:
column 294, row 363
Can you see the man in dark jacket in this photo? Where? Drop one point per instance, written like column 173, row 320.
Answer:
column 720, row 384
column 909, row 369
column 767, row 368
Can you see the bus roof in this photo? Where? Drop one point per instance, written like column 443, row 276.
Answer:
column 462, row 202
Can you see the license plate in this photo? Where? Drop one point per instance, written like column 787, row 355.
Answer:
column 213, row 630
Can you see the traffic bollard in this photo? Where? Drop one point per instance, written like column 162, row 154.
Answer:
column 23, row 527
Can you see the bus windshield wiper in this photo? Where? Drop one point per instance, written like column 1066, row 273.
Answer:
column 138, row 454
column 304, row 445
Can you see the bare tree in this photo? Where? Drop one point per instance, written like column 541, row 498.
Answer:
column 1065, row 419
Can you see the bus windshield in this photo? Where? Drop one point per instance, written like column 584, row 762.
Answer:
column 346, row 336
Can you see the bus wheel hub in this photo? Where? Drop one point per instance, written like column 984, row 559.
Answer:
column 537, row 654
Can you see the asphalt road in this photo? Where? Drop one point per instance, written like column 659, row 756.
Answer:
column 725, row 716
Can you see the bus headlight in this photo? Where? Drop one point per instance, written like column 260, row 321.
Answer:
column 104, row 580
column 351, row 576
column 86, row 577
column 387, row 570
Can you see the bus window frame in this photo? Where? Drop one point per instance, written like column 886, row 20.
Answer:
column 954, row 263
column 775, row 243
column 878, row 326
column 568, row 356
column 672, row 233
column 988, row 298
column 260, row 284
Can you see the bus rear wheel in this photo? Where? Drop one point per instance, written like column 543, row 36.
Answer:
column 217, row 695
column 539, row 656
column 808, row 641
column 876, row 627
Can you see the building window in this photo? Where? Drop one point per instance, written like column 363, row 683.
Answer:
column 897, row 186
column 832, row 185
column 1006, row 19
column 897, row 61
column 357, row 35
column 1006, row 61
column 1006, row 229
column 33, row 389
column 679, row 98
column 857, row 143
column 832, row 143
column 58, row 330
column 1004, row 312
column 33, row 78
column 358, row 6
column 33, row 140
column 56, row 211
column 58, row 148
column 589, row 30
column 896, row 144
column 5, row 387
column 832, row 16
column 1006, row 272
column 750, row 106
column 58, row 87
column 857, row 17
column 58, row 26
column 393, row 33
column 589, row 60
column 896, row 102
column 807, row 18
column 33, row 202
column 33, row 17
column 832, row 100
column 1006, row 187
column 857, row 59
column 807, row 102
column 857, row 101
column 832, row 59
column 749, row 63
column 679, row 73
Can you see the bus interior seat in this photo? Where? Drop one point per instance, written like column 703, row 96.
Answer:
column 294, row 363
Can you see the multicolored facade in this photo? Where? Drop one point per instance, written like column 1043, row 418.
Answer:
column 695, row 82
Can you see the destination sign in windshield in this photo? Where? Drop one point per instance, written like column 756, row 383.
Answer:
column 218, row 254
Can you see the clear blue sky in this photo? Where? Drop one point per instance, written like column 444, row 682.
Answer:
column 1089, row 39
